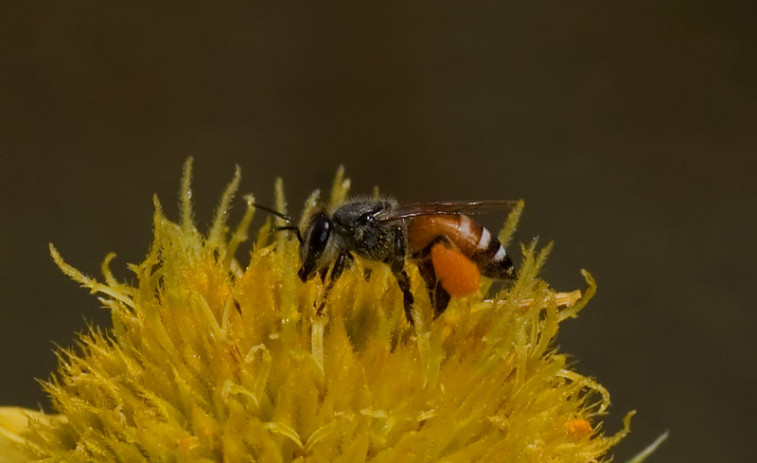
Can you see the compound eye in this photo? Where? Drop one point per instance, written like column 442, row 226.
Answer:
column 316, row 240
column 320, row 232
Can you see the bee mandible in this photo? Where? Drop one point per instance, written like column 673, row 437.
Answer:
column 440, row 237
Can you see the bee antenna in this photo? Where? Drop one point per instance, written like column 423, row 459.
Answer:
column 293, row 228
column 289, row 219
column 292, row 225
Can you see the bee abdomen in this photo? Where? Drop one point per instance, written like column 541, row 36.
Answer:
column 492, row 258
column 471, row 238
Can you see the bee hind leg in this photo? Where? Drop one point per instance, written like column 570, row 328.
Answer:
column 438, row 295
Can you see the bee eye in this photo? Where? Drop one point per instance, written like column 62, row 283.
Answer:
column 316, row 240
column 320, row 232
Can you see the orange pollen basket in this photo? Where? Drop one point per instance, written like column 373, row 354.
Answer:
column 457, row 274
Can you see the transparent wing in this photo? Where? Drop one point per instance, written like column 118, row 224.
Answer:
column 407, row 210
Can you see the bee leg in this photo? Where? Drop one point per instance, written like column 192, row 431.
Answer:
column 342, row 262
column 407, row 296
column 397, row 265
column 438, row 295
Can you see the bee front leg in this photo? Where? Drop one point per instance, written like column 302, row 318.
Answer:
column 397, row 265
column 342, row 262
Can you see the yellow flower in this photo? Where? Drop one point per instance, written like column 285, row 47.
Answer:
column 211, row 360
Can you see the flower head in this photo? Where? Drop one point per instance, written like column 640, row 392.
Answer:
column 208, row 360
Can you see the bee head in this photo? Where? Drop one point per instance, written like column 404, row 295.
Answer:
column 314, row 245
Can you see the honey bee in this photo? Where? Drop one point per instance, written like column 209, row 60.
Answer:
column 450, row 248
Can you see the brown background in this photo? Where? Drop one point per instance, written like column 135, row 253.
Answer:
column 628, row 127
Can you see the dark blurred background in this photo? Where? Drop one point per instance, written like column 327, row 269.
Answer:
column 628, row 128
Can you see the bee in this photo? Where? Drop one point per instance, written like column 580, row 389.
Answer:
column 450, row 248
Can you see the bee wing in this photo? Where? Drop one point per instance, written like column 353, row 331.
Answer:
column 408, row 210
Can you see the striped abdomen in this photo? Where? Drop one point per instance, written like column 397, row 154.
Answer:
column 468, row 236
